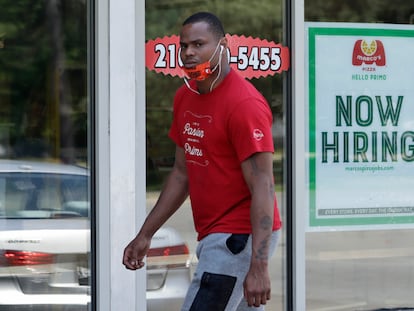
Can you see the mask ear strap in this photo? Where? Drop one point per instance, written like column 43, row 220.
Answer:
column 189, row 86
column 220, row 57
column 219, row 73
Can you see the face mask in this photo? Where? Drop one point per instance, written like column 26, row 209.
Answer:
column 201, row 71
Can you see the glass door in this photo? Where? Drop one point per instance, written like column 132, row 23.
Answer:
column 45, row 162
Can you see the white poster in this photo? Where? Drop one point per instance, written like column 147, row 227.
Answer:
column 361, row 126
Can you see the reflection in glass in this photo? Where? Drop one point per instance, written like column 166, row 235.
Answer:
column 43, row 80
column 44, row 175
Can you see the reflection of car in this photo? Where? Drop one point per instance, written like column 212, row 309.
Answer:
column 45, row 243
column 168, row 271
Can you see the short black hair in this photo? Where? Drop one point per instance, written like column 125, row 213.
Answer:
column 213, row 21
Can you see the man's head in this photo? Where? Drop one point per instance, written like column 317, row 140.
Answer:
column 203, row 48
column 214, row 23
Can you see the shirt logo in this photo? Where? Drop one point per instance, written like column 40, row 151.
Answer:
column 258, row 134
column 368, row 53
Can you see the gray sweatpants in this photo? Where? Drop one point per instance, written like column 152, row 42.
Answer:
column 223, row 262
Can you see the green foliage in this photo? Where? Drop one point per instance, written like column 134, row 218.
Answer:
column 43, row 56
column 362, row 11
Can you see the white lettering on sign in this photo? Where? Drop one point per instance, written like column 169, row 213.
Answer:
column 261, row 58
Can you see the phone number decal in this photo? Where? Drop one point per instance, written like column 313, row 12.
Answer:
column 251, row 57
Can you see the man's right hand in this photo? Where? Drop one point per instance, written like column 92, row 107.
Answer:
column 135, row 252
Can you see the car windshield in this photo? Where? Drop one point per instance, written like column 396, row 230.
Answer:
column 43, row 195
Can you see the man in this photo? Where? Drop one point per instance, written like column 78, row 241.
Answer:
column 223, row 161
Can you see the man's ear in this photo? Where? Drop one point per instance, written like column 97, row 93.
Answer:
column 224, row 43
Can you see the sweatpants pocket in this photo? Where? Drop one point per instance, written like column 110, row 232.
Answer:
column 236, row 243
column 214, row 292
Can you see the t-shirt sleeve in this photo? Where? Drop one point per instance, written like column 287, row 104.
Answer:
column 250, row 127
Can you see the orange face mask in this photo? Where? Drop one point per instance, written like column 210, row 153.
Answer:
column 201, row 71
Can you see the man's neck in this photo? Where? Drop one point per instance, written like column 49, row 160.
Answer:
column 212, row 82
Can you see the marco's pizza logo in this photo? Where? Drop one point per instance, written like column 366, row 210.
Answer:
column 368, row 53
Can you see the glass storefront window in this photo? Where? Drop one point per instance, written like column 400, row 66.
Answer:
column 264, row 20
column 370, row 266
column 44, row 156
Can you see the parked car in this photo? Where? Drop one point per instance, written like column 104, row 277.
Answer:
column 45, row 243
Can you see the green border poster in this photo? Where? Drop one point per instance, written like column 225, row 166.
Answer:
column 361, row 126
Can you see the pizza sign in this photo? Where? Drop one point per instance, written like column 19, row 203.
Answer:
column 251, row 57
column 368, row 53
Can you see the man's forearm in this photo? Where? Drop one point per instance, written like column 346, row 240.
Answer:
column 258, row 173
column 174, row 193
column 262, row 224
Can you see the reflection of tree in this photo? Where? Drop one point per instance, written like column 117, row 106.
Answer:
column 60, row 83
column 364, row 11
column 43, row 94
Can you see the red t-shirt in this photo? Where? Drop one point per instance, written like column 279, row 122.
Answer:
column 218, row 131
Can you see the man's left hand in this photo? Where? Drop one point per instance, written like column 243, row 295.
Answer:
column 257, row 285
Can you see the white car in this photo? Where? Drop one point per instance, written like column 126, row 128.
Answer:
column 45, row 243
